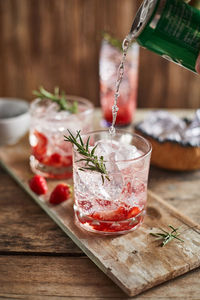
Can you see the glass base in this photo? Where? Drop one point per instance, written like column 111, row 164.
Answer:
column 108, row 227
column 50, row 171
column 106, row 124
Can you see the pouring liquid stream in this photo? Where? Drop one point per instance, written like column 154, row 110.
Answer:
column 120, row 73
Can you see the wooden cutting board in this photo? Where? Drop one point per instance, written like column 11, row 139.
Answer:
column 135, row 261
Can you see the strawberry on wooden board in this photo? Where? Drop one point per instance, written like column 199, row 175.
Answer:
column 61, row 193
column 38, row 185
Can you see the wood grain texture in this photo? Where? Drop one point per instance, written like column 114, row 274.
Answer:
column 124, row 259
column 180, row 189
column 24, row 226
column 38, row 278
column 57, row 43
column 49, row 275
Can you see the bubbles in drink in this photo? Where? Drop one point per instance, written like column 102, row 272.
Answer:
column 125, row 45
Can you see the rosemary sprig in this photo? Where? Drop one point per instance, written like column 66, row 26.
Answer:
column 92, row 162
column 112, row 41
column 60, row 99
column 167, row 236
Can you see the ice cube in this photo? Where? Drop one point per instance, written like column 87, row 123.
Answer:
column 109, row 149
column 117, row 152
column 62, row 115
column 74, row 124
column 51, row 110
column 121, row 152
column 115, row 184
column 126, row 153
column 90, row 182
column 59, row 145
column 115, row 157
column 71, row 123
column 106, row 147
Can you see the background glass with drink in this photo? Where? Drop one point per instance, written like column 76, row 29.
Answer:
column 110, row 58
column 51, row 156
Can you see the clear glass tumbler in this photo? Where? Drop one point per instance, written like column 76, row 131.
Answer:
column 110, row 58
column 51, row 155
column 117, row 205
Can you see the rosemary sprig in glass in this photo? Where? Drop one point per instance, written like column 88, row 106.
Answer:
column 112, row 41
column 92, row 162
column 59, row 98
column 167, row 236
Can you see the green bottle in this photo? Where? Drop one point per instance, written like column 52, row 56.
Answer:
column 170, row 28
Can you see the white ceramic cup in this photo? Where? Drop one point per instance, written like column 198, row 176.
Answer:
column 14, row 120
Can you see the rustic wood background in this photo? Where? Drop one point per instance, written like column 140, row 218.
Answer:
column 53, row 42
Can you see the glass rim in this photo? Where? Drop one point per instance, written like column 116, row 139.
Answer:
column 89, row 104
column 119, row 131
column 133, row 45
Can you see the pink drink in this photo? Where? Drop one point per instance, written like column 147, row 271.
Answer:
column 110, row 59
column 51, row 155
column 118, row 205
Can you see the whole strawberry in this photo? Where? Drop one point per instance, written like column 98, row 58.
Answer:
column 61, row 193
column 38, row 185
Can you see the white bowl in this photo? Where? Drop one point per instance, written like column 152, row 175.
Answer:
column 14, row 120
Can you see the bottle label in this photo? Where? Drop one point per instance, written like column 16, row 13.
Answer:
column 181, row 23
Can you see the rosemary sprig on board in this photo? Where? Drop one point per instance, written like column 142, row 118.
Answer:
column 59, row 98
column 92, row 162
column 167, row 236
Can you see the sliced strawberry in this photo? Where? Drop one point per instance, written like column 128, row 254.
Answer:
column 133, row 212
column 67, row 160
column 38, row 185
column 40, row 149
column 58, row 160
column 54, row 160
column 112, row 226
column 120, row 214
column 61, row 193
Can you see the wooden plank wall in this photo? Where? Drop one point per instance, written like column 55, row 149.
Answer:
column 53, row 42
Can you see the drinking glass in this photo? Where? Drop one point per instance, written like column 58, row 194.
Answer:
column 110, row 58
column 51, row 155
column 117, row 205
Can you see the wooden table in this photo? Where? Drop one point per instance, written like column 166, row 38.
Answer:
column 38, row 261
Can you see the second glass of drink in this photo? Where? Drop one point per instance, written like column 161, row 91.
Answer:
column 51, row 156
column 110, row 58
